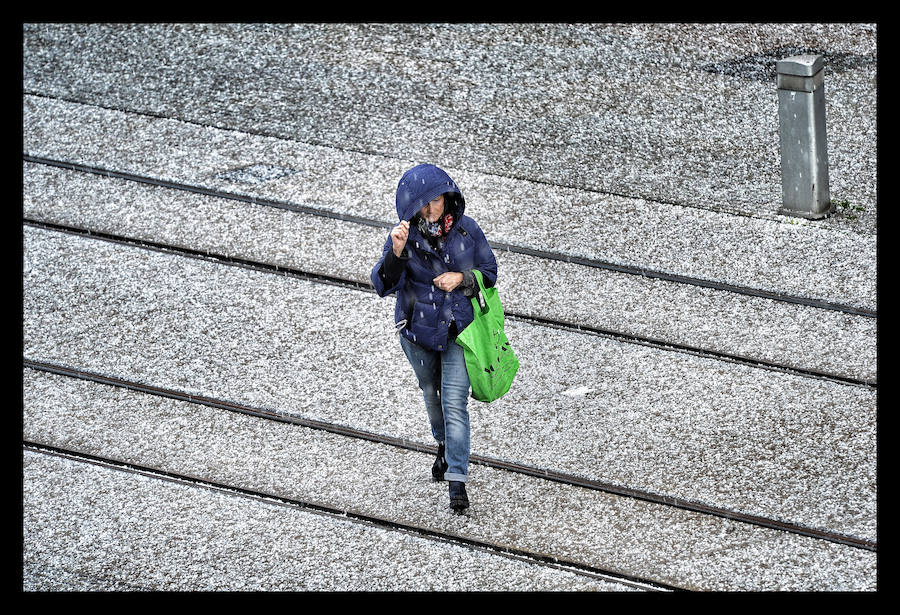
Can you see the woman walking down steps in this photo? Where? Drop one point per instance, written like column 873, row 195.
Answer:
column 427, row 262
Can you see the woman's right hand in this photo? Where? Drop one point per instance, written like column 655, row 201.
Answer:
column 399, row 236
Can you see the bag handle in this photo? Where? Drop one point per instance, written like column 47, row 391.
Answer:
column 478, row 297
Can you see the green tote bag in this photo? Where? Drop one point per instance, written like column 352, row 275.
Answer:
column 490, row 361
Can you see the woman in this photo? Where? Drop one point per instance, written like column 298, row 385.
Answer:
column 427, row 262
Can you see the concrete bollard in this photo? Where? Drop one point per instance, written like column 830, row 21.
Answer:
column 804, row 151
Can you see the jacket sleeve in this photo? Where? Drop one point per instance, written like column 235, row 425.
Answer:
column 484, row 258
column 389, row 274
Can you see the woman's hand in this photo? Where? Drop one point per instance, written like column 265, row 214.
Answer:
column 448, row 281
column 399, row 236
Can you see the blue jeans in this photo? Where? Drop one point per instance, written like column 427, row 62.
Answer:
column 444, row 382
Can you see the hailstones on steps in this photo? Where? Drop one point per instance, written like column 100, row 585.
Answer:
column 255, row 173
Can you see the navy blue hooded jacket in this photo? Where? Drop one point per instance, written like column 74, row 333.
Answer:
column 427, row 310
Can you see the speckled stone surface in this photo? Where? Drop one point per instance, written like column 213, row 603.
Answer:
column 652, row 145
column 669, row 423
column 89, row 528
column 622, row 535
column 674, row 112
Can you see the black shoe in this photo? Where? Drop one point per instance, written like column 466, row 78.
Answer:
column 440, row 464
column 459, row 501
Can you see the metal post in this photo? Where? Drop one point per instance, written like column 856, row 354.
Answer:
column 804, row 152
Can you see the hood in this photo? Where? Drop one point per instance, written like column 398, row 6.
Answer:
column 421, row 184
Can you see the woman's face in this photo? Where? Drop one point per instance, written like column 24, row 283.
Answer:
column 434, row 210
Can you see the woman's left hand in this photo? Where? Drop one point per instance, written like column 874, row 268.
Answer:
column 448, row 281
